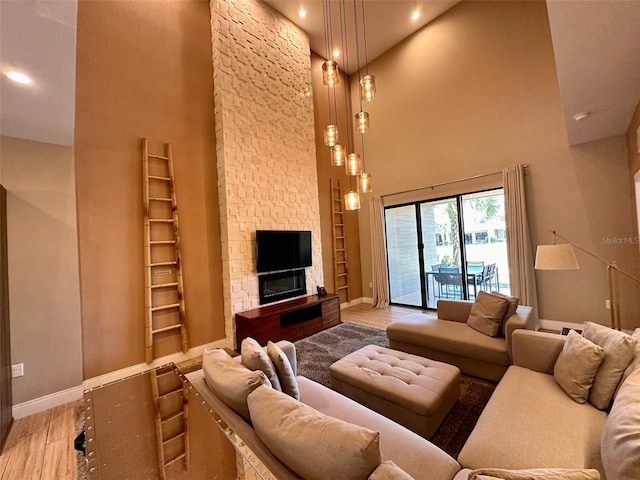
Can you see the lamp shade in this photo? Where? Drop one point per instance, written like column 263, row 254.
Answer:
column 556, row 257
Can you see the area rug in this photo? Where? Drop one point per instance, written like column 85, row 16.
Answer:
column 316, row 353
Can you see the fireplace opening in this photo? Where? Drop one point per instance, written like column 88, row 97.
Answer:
column 281, row 285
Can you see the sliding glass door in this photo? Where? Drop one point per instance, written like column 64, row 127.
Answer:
column 449, row 248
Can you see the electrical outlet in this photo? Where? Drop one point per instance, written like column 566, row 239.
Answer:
column 607, row 304
column 17, row 370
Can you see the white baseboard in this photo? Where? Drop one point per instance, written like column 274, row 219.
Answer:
column 356, row 301
column 72, row 394
column 557, row 325
column 52, row 400
column 143, row 367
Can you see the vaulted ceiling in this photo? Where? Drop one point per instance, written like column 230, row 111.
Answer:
column 595, row 45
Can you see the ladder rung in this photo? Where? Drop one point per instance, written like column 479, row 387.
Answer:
column 175, row 459
column 339, row 238
column 171, row 417
column 168, row 394
column 163, row 264
column 175, row 437
column 159, row 199
column 161, row 157
column 162, row 242
column 339, row 224
column 341, row 261
column 165, row 307
column 165, row 285
column 161, row 220
column 341, row 275
column 340, row 249
column 343, row 287
column 166, row 329
column 155, row 177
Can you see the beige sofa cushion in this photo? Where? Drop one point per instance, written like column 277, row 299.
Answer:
column 619, row 349
column 487, row 313
column 312, row 444
column 389, row 471
column 409, row 451
column 577, row 365
column 284, row 369
column 450, row 337
column 255, row 358
column 621, row 437
column 231, row 381
column 530, row 422
column 634, row 364
column 535, row 474
column 511, row 308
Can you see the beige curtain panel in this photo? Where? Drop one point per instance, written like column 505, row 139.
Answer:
column 520, row 252
column 379, row 255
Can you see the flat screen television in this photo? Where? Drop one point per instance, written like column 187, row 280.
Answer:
column 282, row 250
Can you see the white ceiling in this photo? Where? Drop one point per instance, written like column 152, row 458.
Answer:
column 597, row 50
column 387, row 23
column 38, row 38
column 596, row 45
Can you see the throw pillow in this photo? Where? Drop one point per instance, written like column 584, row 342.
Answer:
column 535, row 474
column 487, row 314
column 619, row 349
column 285, row 371
column 633, row 365
column 255, row 358
column 314, row 445
column 620, row 441
column 511, row 308
column 231, row 381
column 389, row 471
column 577, row 365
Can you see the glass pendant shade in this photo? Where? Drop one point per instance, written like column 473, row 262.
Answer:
column 330, row 77
column 368, row 88
column 353, row 165
column 338, row 154
column 352, row 201
column 362, row 122
column 331, row 135
column 365, row 183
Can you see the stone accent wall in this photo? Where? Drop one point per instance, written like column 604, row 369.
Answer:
column 265, row 140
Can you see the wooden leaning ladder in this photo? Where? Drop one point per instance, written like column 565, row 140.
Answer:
column 340, row 264
column 171, row 419
column 164, row 299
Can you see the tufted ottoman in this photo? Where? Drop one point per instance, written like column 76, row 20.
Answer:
column 413, row 391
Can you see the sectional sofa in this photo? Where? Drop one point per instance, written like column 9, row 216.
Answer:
column 448, row 338
column 530, row 423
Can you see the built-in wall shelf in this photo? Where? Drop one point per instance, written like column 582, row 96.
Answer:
column 291, row 321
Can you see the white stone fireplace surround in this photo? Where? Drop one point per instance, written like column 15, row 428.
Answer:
column 266, row 157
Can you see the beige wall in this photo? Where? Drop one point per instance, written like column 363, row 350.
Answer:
column 143, row 70
column 475, row 91
column 326, row 172
column 44, row 290
column 633, row 148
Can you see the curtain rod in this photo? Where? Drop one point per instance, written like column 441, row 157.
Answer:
column 446, row 183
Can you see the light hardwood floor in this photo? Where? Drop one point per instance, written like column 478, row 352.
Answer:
column 40, row 447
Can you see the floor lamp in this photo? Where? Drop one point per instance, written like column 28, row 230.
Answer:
column 562, row 257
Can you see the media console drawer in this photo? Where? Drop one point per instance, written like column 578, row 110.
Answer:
column 291, row 320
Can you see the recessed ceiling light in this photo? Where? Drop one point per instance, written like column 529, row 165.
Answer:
column 415, row 15
column 581, row 116
column 19, row 77
column 302, row 13
column 336, row 53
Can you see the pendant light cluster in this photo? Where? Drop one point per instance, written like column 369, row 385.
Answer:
column 353, row 162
